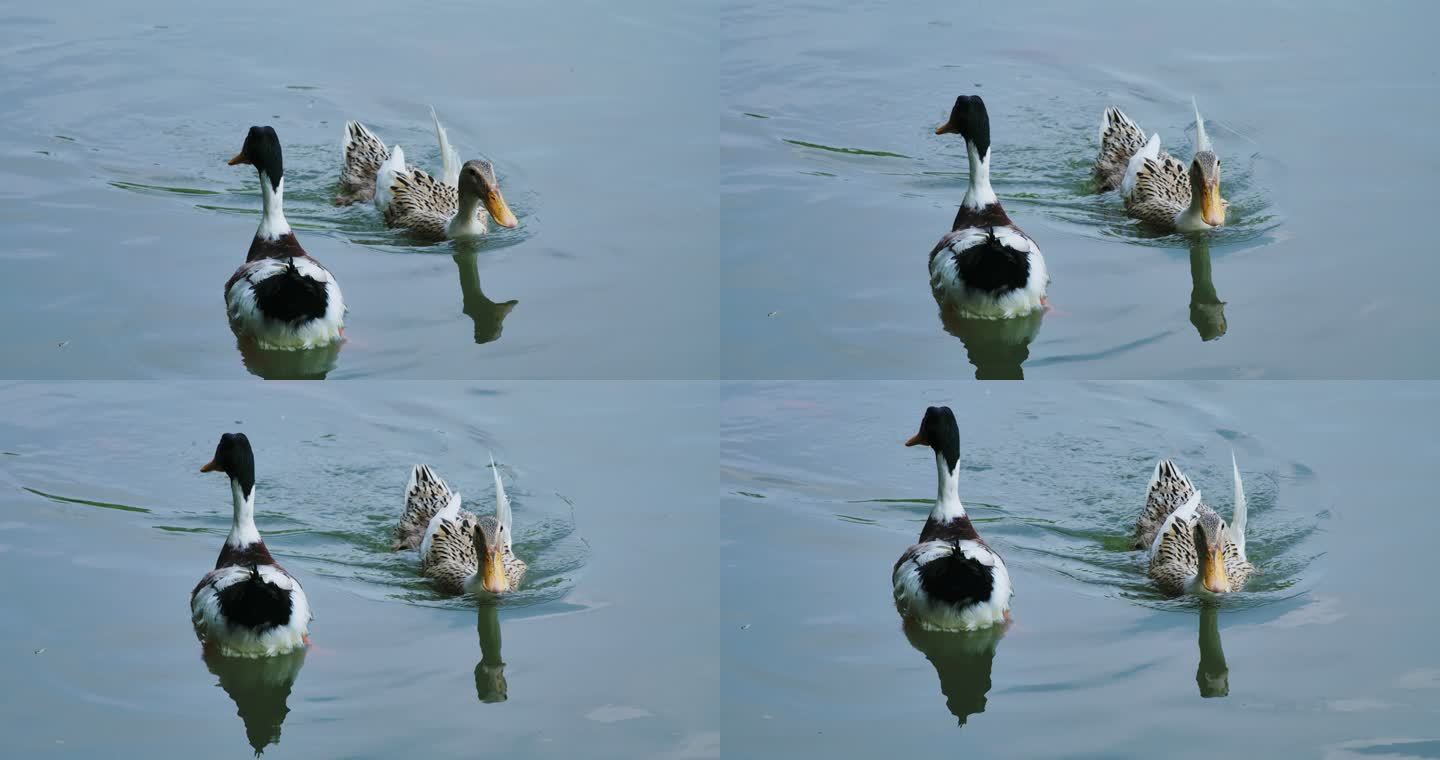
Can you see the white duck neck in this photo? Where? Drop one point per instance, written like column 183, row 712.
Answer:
column 466, row 221
column 947, row 499
column 242, row 529
column 272, row 223
column 979, row 195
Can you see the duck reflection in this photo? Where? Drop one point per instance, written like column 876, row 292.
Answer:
column 305, row 364
column 997, row 347
column 490, row 684
column 488, row 316
column 260, row 687
column 1212, row 675
column 963, row 661
column 1207, row 311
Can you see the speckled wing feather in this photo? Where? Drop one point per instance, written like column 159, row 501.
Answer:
column 1169, row 490
column 421, row 204
column 1175, row 561
column 1120, row 137
column 1237, row 568
column 425, row 494
column 1162, row 190
column 452, row 558
column 362, row 154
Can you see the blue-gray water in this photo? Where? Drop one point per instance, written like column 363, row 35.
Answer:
column 122, row 221
column 106, row 525
column 1328, row 652
column 835, row 187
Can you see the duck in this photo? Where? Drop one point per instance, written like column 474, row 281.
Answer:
column 950, row 579
column 1157, row 188
column 465, row 554
column 362, row 153
column 248, row 606
column 413, row 200
column 281, row 297
column 1192, row 549
column 454, row 206
column 986, row 266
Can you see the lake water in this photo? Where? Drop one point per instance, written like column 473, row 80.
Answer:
column 719, row 286
column 1328, row 652
column 122, row 221
column 835, row 187
column 608, row 650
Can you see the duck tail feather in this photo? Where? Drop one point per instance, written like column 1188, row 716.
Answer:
column 1241, row 515
column 449, row 159
column 503, row 517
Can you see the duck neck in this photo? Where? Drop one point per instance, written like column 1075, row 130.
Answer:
column 466, row 220
column 242, row 529
column 272, row 222
column 947, row 499
column 979, row 195
column 1192, row 219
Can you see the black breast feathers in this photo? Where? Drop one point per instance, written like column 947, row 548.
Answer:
column 291, row 296
column 985, row 260
column 255, row 603
column 954, row 578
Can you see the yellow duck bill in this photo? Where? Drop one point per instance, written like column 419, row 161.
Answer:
column 492, row 573
column 1212, row 207
column 499, row 210
column 1212, row 572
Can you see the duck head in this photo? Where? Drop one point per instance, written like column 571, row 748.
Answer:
column 969, row 119
column 477, row 181
column 262, row 151
column 1205, row 197
column 1208, row 534
column 939, row 431
column 490, row 547
column 234, row 457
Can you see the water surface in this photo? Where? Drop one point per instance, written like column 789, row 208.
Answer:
column 123, row 222
column 1326, row 652
column 835, row 187
column 106, row 525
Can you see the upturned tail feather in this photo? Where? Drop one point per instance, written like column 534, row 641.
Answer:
column 1202, row 140
column 503, row 518
column 1241, row 515
column 449, row 158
